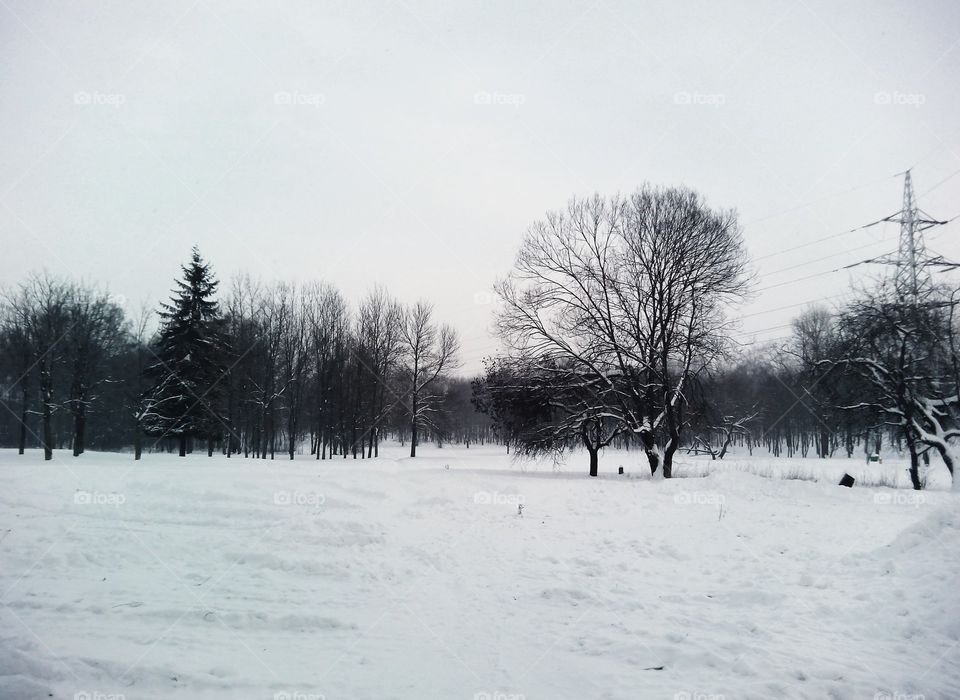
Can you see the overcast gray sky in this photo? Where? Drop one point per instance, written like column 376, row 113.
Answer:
column 411, row 143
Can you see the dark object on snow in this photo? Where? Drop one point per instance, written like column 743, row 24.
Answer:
column 847, row 481
column 620, row 471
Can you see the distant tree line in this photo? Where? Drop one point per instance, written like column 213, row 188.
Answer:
column 256, row 371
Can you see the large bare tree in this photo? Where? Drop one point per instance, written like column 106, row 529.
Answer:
column 631, row 290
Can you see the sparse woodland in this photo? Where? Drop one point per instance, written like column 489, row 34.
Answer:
column 615, row 322
column 253, row 370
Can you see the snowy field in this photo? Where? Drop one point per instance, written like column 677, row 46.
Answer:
column 397, row 578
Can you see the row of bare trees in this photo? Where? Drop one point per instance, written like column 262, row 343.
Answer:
column 881, row 369
column 64, row 346
column 300, row 369
column 901, row 352
column 304, row 367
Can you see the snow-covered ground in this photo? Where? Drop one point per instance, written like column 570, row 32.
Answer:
column 398, row 578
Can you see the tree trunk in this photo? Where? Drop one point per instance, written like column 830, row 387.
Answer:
column 672, row 444
column 947, row 458
column 914, row 464
column 23, row 417
column 650, row 448
column 726, row 445
column 413, row 426
column 79, row 429
column 183, row 445
column 46, row 390
column 593, row 460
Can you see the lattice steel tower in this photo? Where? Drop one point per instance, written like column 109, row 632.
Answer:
column 912, row 262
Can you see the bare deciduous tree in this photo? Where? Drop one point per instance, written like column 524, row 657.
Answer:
column 96, row 332
column 41, row 309
column 378, row 350
column 428, row 350
column 904, row 352
column 631, row 290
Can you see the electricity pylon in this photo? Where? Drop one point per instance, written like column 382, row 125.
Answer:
column 912, row 263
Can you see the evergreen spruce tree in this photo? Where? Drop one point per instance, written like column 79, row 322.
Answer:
column 185, row 398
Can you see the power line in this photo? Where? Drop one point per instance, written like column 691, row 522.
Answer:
column 825, row 257
column 826, row 238
column 858, row 228
column 910, row 257
column 948, row 177
column 803, row 205
column 791, row 306
column 799, row 279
